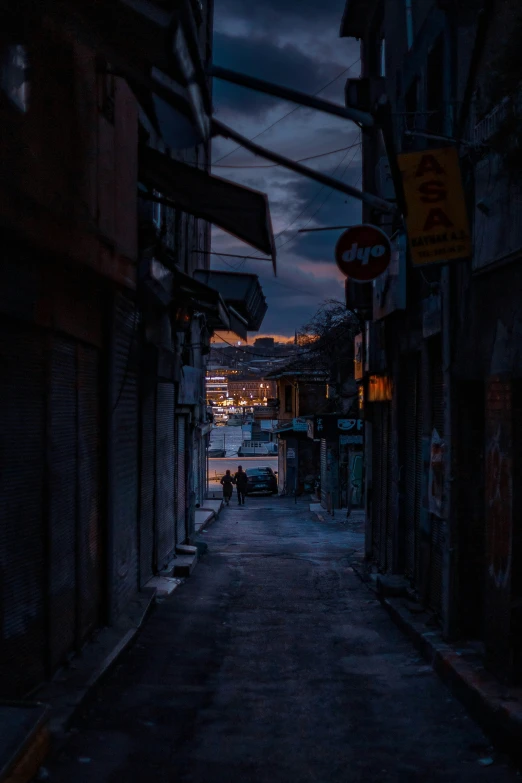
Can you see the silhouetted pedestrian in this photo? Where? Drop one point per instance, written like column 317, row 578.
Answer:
column 240, row 480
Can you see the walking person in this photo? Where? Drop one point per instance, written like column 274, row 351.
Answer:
column 227, row 483
column 240, row 480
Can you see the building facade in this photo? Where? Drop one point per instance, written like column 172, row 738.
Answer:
column 104, row 327
column 440, row 346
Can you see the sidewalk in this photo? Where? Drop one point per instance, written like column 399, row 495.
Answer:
column 496, row 707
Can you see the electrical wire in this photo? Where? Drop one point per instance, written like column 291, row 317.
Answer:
column 269, row 127
column 290, row 239
column 278, row 165
column 313, row 199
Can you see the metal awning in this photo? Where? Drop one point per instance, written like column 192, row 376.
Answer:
column 152, row 44
column 210, row 302
column 375, row 202
column 170, row 287
column 240, row 211
column 240, row 291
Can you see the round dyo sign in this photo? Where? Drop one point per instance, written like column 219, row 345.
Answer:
column 363, row 253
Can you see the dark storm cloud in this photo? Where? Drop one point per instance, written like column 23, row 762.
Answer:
column 296, row 44
column 261, row 57
column 301, row 13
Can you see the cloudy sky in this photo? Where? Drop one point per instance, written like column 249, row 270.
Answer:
column 295, row 43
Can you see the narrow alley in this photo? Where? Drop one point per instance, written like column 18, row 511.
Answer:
column 273, row 662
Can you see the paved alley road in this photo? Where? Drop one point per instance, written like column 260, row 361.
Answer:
column 274, row 664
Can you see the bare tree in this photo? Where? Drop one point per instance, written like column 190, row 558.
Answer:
column 327, row 343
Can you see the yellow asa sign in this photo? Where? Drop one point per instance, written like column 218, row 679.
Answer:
column 437, row 221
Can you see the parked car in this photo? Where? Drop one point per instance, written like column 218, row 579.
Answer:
column 261, row 479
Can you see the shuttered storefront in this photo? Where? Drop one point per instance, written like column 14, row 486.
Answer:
column 76, row 545
column 197, row 470
column 90, row 532
column 388, row 489
column 181, row 479
column 63, row 487
column 22, row 502
column 376, row 483
column 382, row 526
column 147, row 483
column 165, row 492
column 437, row 524
column 124, row 453
column 412, row 429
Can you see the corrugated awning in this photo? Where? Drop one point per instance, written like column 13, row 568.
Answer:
column 240, row 291
column 240, row 211
column 209, row 301
column 169, row 287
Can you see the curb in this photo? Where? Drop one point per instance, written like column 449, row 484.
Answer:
column 496, row 708
column 498, row 711
column 66, row 695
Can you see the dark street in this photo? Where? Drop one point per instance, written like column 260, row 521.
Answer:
column 274, row 663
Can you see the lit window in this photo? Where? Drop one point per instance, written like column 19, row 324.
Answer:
column 15, row 82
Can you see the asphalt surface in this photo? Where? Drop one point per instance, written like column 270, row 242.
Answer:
column 273, row 663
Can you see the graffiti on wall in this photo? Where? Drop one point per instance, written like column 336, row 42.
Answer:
column 499, row 481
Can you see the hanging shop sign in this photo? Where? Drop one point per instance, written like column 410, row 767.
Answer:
column 437, row 219
column 331, row 425
column 350, row 440
column 380, row 388
column 362, row 253
column 300, row 425
column 360, row 395
column 358, row 369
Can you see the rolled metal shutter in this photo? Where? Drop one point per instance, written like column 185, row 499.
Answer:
column 147, row 488
column 196, row 471
column 437, row 525
column 383, row 484
column 410, row 413
column 63, row 470
column 419, row 464
column 90, row 535
column 376, row 483
column 124, row 452
column 181, row 481
column 165, row 460
column 22, row 531
column 203, row 469
column 388, row 506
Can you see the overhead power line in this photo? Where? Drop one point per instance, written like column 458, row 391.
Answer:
column 269, row 127
column 278, row 165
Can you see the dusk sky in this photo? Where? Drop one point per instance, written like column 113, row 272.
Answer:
column 296, row 44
